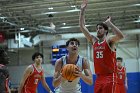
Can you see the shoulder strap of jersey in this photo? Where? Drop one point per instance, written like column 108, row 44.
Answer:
column 63, row 58
column 81, row 58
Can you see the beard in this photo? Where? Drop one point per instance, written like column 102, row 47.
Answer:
column 100, row 35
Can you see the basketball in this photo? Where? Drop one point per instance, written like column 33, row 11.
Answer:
column 68, row 72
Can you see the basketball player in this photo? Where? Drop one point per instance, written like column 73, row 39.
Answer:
column 122, row 78
column 4, row 73
column 104, row 53
column 32, row 75
column 63, row 85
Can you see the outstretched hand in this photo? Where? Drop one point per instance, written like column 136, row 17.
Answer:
column 84, row 4
column 108, row 20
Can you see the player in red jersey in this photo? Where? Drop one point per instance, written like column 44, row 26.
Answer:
column 104, row 53
column 32, row 75
column 122, row 78
column 4, row 73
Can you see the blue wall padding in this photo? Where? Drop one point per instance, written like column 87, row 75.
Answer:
column 133, row 84
column 49, row 82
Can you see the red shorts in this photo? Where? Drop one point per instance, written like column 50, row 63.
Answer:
column 106, row 84
column 28, row 90
column 122, row 88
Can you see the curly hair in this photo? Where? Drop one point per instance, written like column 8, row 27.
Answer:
column 120, row 58
column 72, row 39
column 4, row 58
column 36, row 54
column 104, row 26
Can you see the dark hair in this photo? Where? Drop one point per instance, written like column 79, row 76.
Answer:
column 120, row 58
column 104, row 26
column 36, row 54
column 4, row 58
column 1, row 51
column 72, row 39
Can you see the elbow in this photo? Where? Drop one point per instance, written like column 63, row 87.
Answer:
column 54, row 85
column 91, row 82
column 122, row 36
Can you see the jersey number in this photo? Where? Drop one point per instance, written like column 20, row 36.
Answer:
column 36, row 81
column 99, row 54
column 120, row 76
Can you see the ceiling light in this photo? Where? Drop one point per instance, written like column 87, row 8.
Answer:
column 137, row 21
column 73, row 6
column 21, row 29
column 74, row 10
column 88, row 25
column 135, row 5
column 64, row 24
column 3, row 17
column 50, row 8
column 65, row 27
column 51, row 13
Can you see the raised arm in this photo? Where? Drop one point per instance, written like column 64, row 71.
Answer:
column 118, row 35
column 83, row 28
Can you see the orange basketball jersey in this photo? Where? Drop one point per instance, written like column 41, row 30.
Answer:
column 104, row 58
column 121, row 75
column 32, row 81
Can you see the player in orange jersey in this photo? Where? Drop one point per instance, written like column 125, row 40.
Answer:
column 104, row 52
column 32, row 75
column 122, row 78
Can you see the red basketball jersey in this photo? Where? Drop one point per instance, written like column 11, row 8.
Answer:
column 121, row 75
column 32, row 81
column 104, row 58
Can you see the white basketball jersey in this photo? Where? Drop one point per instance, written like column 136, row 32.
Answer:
column 70, row 87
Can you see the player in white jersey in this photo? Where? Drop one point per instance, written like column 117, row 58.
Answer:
column 64, row 86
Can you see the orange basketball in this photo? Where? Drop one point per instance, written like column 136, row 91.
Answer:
column 68, row 72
